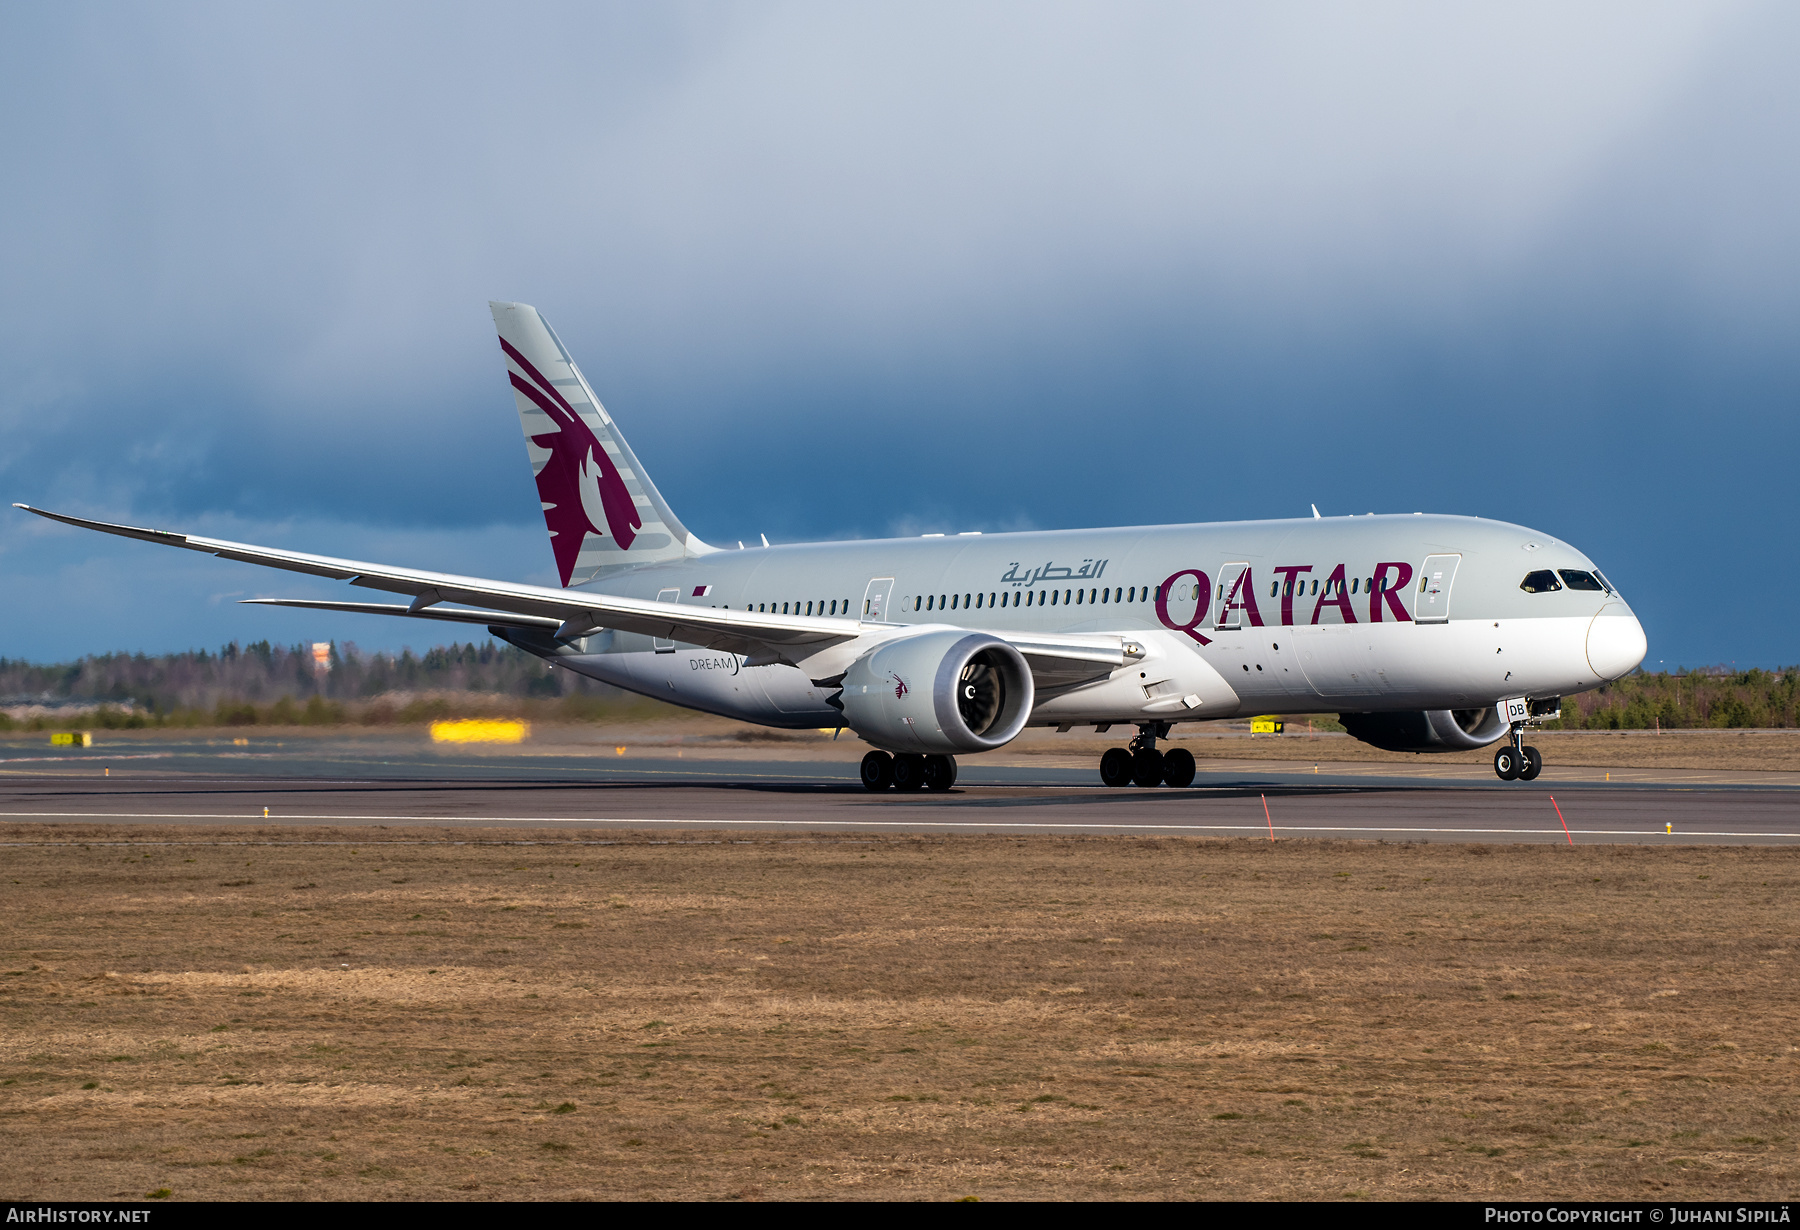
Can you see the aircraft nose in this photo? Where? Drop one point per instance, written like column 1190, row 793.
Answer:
column 1615, row 642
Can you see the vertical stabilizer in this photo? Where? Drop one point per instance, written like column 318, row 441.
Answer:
column 602, row 510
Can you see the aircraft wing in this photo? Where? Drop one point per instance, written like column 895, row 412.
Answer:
column 576, row 612
column 1055, row 659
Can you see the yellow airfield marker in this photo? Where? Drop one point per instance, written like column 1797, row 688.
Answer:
column 71, row 738
column 479, row 730
column 265, row 813
column 618, row 751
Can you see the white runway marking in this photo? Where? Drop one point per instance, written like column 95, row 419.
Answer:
column 979, row 826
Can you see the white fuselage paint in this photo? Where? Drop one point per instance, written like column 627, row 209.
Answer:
column 1288, row 653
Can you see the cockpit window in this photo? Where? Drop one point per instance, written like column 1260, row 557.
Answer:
column 1601, row 577
column 1542, row 581
column 1574, row 578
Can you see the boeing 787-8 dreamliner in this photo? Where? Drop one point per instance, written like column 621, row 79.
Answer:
column 1423, row 633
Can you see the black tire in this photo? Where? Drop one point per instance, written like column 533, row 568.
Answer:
column 1115, row 767
column 940, row 772
column 1178, row 767
column 1506, row 764
column 909, row 772
column 1147, row 767
column 878, row 771
column 1534, row 764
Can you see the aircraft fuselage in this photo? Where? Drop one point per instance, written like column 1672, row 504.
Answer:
column 1365, row 614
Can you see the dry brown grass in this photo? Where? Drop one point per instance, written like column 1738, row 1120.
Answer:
column 859, row 1018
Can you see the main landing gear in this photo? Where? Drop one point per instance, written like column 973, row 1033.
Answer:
column 908, row 771
column 1515, row 761
column 1143, row 764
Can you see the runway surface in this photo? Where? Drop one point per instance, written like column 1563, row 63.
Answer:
column 400, row 783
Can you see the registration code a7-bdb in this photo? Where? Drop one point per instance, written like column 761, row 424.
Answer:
column 1515, row 710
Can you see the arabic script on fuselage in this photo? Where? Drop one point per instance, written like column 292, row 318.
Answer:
column 1050, row 573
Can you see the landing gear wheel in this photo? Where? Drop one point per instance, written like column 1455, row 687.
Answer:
column 1506, row 764
column 1534, row 764
column 1115, row 767
column 909, row 772
column 940, row 772
column 878, row 770
column 1147, row 767
column 1178, row 767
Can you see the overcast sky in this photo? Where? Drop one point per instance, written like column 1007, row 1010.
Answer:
column 854, row 270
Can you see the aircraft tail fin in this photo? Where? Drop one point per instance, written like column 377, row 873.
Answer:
column 602, row 510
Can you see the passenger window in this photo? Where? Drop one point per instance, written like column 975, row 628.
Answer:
column 1275, row 588
column 1542, row 581
column 1576, row 579
column 929, row 601
column 965, row 601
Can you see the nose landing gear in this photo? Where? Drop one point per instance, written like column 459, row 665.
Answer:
column 1143, row 764
column 1516, row 761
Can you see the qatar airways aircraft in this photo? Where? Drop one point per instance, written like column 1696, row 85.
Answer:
column 1423, row 633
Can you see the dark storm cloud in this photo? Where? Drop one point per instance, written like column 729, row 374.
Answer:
column 848, row 270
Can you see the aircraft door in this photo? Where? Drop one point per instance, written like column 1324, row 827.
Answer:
column 1227, row 601
column 876, row 599
column 657, row 643
column 1431, row 604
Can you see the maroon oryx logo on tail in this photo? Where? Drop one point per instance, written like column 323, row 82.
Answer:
column 579, row 486
column 900, row 688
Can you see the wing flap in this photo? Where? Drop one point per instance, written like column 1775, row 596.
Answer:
column 501, row 619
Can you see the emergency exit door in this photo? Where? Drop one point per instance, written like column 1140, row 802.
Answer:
column 876, row 598
column 1431, row 602
column 1229, row 597
column 658, row 643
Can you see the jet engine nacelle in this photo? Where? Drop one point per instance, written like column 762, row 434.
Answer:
column 939, row 692
column 1429, row 730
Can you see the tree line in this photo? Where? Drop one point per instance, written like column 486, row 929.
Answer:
column 1716, row 698
column 266, row 684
